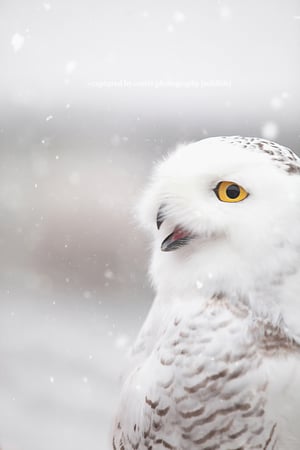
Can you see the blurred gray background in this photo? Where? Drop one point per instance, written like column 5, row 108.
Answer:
column 93, row 93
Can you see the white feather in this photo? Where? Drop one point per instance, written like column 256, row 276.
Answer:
column 242, row 267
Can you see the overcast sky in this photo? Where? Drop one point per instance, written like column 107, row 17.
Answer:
column 61, row 49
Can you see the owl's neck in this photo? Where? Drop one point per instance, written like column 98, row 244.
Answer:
column 270, row 288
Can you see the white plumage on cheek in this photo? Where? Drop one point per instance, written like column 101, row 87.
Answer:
column 242, row 246
column 216, row 364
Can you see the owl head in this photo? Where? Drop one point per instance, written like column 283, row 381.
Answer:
column 224, row 215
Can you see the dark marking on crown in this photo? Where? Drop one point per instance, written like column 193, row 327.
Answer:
column 283, row 157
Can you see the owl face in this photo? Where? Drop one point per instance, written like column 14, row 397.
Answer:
column 224, row 212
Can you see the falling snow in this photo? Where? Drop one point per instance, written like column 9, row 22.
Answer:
column 276, row 103
column 17, row 42
column 270, row 130
column 109, row 275
column 70, row 67
column 47, row 6
column 178, row 17
column 199, row 284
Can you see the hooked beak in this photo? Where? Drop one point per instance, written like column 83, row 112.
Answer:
column 178, row 238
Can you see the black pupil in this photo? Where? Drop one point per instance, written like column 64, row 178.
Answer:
column 233, row 191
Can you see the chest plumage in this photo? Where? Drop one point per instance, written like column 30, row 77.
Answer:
column 205, row 385
column 217, row 363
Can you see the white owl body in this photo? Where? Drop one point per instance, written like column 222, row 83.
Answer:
column 210, row 382
column 217, row 362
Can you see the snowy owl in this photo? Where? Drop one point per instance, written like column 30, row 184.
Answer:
column 216, row 364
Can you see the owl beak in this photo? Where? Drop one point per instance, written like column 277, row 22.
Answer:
column 177, row 239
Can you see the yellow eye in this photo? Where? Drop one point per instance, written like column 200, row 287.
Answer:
column 227, row 191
